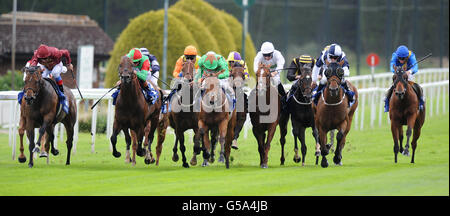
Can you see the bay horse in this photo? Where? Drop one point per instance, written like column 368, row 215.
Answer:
column 182, row 116
column 264, row 117
column 215, row 112
column 238, row 79
column 302, row 116
column 404, row 110
column 132, row 112
column 39, row 110
column 332, row 112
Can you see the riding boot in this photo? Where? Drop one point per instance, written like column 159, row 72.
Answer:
column 149, row 91
column 348, row 92
column 281, row 90
column 316, row 96
column 388, row 97
column 419, row 93
column 61, row 88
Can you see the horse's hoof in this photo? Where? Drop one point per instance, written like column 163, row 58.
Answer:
column 140, row 152
column 55, row 152
column 36, row 149
column 43, row 154
column 152, row 160
column 67, row 163
column 235, row 147
column 264, row 166
column 317, row 154
column 303, row 164
column 22, row 160
column 175, row 158
column 147, row 161
column 328, row 146
column 405, row 153
column 282, row 161
column 297, row 160
column 30, row 165
column 337, row 160
column 221, row 159
column 116, row 154
column 205, row 163
column 193, row 162
column 324, row 163
column 185, row 165
column 212, row 159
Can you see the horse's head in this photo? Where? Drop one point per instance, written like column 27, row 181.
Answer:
column 334, row 74
column 238, row 75
column 33, row 83
column 263, row 76
column 126, row 71
column 188, row 70
column 400, row 81
column 211, row 86
column 304, row 83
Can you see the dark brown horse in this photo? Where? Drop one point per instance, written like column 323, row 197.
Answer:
column 264, row 117
column 39, row 110
column 332, row 112
column 302, row 116
column 215, row 112
column 182, row 116
column 238, row 79
column 132, row 112
column 404, row 111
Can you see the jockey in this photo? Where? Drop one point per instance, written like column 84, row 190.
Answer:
column 50, row 60
column 141, row 69
column 404, row 57
column 235, row 57
column 190, row 53
column 294, row 73
column 331, row 53
column 268, row 55
column 214, row 63
column 153, row 76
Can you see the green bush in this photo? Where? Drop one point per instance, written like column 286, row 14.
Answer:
column 146, row 30
column 212, row 20
column 85, row 124
column 5, row 81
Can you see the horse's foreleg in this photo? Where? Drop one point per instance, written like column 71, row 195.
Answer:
column 22, row 157
column 69, row 141
column 113, row 139
column 197, row 147
column 340, row 137
column 411, row 121
column 134, row 138
column 151, row 134
column 161, row 131
column 128, row 141
column 228, row 142
column 222, row 134
column 416, row 136
column 174, row 150
column 41, row 133
column 204, row 137
column 400, row 138
column 394, row 130
column 315, row 134
column 270, row 134
column 30, row 135
column 283, row 131
column 302, row 141
column 180, row 137
column 214, row 137
column 323, row 147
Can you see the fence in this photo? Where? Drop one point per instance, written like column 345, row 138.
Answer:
column 371, row 89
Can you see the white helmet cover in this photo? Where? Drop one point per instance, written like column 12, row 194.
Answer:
column 335, row 50
column 267, row 48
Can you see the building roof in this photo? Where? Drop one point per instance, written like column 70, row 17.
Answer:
column 58, row 30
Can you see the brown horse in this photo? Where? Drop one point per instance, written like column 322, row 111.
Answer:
column 132, row 112
column 264, row 117
column 214, row 112
column 404, row 111
column 39, row 110
column 238, row 79
column 302, row 116
column 332, row 112
column 182, row 116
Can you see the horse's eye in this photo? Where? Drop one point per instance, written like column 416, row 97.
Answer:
column 340, row 72
column 327, row 73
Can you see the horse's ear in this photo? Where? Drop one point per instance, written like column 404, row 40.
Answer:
column 404, row 67
column 341, row 62
column 395, row 68
column 326, row 62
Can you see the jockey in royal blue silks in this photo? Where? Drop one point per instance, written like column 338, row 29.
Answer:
column 401, row 57
column 331, row 53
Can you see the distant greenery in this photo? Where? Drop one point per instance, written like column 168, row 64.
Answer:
column 5, row 81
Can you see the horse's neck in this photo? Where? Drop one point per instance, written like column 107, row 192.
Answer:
column 335, row 98
column 131, row 93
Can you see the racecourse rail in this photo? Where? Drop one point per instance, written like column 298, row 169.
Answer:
column 371, row 89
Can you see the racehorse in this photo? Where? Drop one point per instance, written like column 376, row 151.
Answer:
column 132, row 112
column 264, row 117
column 332, row 112
column 215, row 112
column 302, row 116
column 403, row 110
column 238, row 78
column 182, row 116
column 39, row 109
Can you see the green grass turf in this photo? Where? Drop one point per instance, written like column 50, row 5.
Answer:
column 368, row 169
